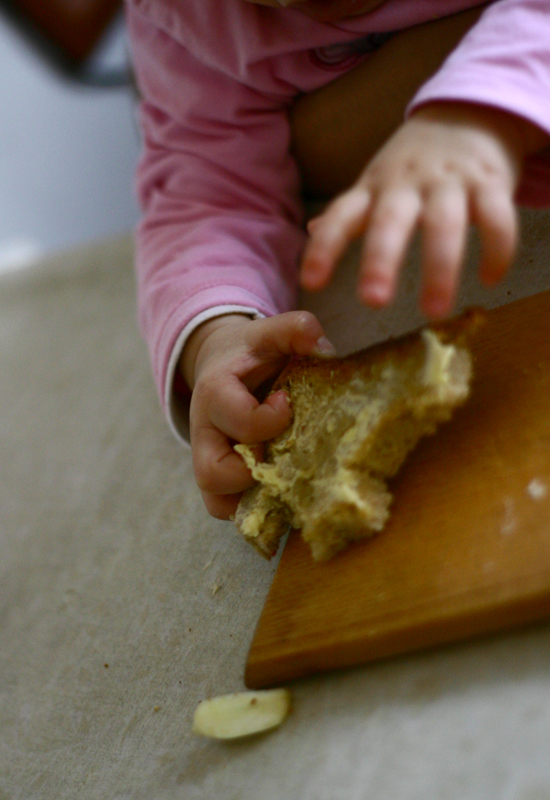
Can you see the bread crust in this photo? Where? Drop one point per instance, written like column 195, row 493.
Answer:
column 355, row 419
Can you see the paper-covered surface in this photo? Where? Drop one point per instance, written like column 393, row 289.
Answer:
column 122, row 604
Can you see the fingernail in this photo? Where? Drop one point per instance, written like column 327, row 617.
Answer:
column 307, row 280
column 374, row 293
column 311, row 276
column 324, row 348
column 314, row 221
column 436, row 306
column 281, row 396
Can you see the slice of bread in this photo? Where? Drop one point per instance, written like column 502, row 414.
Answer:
column 355, row 419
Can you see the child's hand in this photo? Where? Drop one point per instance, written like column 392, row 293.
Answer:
column 225, row 360
column 448, row 166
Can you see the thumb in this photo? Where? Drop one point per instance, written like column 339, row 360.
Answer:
column 296, row 333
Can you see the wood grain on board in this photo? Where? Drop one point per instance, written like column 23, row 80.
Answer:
column 467, row 547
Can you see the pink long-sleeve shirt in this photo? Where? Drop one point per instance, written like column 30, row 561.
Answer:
column 222, row 226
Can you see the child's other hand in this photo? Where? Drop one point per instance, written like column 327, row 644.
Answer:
column 448, row 166
column 225, row 360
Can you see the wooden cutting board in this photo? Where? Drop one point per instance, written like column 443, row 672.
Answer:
column 467, row 547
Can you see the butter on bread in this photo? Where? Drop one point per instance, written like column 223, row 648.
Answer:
column 355, row 419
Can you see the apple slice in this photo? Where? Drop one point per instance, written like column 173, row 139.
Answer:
column 241, row 714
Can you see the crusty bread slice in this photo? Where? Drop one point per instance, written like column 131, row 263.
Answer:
column 355, row 419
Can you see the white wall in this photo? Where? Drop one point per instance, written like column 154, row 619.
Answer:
column 67, row 154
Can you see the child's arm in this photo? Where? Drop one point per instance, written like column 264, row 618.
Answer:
column 221, row 230
column 217, row 253
column 457, row 160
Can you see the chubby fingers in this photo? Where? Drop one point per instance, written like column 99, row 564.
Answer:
column 444, row 231
column 220, row 416
column 494, row 214
column 293, row 333
column 331, row 234
column 447, row 212
column 224, row 410
column 388, row 221
column 239, row 416
column 221, row 506
column 392, row 222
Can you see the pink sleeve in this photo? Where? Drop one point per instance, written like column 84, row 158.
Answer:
column 222, row 221
column 504, row 61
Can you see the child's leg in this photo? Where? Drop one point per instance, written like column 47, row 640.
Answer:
column 338, row 128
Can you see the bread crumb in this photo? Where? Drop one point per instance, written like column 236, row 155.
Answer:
column 508, row 522
column 436, row 369
column 537, row 489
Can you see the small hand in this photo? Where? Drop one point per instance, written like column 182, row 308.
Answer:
column 224, row 362
column 448, row 166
